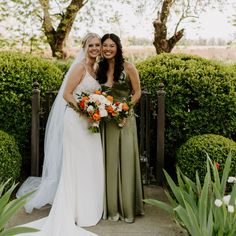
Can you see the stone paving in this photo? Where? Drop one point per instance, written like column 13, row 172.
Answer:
column 155, row 222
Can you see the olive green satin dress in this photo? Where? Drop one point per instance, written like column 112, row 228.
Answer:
column 123, row 196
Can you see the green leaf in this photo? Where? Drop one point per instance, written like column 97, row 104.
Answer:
column 15, row 206
column 210, row 222
column 176, row 191
column 17, row 230
column 5, row 198
column 173, row 203
column 198, row 185
column 160, row 204
column 226, row 172
column 194, row 220
column 203, row 202
column 187, row 221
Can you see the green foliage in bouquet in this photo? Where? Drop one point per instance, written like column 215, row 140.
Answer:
column 200, row 96
column 8, row 208
column 10, row 158
column 191, row 155
column 203, row 210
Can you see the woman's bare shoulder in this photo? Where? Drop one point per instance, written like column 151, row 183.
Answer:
column 129, row 67
column 79, row 70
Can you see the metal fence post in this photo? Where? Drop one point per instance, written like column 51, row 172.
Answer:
column 35, row 130
column 160, row 134
column 144, row 135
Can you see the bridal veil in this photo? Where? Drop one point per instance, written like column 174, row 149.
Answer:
column 46, row 185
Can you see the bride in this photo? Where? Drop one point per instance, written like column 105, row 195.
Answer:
column 74, row 184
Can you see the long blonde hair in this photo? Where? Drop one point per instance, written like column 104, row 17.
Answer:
column 88, row 37
column 85, row 40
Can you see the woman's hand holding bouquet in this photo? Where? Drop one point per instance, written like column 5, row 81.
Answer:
column 99, row 105
column 94, row 107
column 120, row 111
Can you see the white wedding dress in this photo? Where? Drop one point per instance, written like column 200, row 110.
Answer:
column 79, row 197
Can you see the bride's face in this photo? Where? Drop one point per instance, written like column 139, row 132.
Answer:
column 109, row 49
column 93, row 47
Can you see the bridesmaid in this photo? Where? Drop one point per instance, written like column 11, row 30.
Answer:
column 123, row 197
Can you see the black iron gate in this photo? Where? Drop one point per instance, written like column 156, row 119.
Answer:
column 150, row 123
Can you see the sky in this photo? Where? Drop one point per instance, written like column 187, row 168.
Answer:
column 211, row 23
column 214, row 23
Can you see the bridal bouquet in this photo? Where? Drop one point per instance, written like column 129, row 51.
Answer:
column 120, row 110
column 94, row 107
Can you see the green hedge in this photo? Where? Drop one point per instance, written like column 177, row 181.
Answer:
column 10, row 158
column 191, row 156
column 17, row 73
column 200, row 96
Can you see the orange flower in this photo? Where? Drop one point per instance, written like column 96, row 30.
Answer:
column 98, row 92
column 217, row 165
column 110, row 98
column 125, row 107
column 109, row 109
column 96, row 117
column 114, row 113
column 85, row 98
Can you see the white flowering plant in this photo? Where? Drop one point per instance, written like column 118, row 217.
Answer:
column 203, row 210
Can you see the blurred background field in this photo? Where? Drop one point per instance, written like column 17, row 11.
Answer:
column 139, row 52
column 221, row 53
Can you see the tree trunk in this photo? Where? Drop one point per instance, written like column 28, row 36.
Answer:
column 161, row 43
column 57, row 37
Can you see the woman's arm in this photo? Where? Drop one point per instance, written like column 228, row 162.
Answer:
column 74, row 79
column 135, row 81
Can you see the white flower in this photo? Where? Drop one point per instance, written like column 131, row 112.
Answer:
column 95, row 124
column 230, row 209
column 218, row 203
column 226, row 199
column 94, row 97
column 103, row 112
column 120, row 106
column 105, row 101
column 114, row 107
column 90, row 108
column 99, row 98
column 232, row 179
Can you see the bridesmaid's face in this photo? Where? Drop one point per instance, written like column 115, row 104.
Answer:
column 109, row 49
column 93, row 47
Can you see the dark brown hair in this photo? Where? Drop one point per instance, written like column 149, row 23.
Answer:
column 119, row 60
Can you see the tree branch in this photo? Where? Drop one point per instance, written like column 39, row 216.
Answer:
column 68, row 18
column 175, row 38
column 47, row 21
column 165, row 11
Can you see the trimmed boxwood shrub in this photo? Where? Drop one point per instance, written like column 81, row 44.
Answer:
column 10, row 158
column 200, row 97
column 17, row 73
column 63, row 66
column 191, row 156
